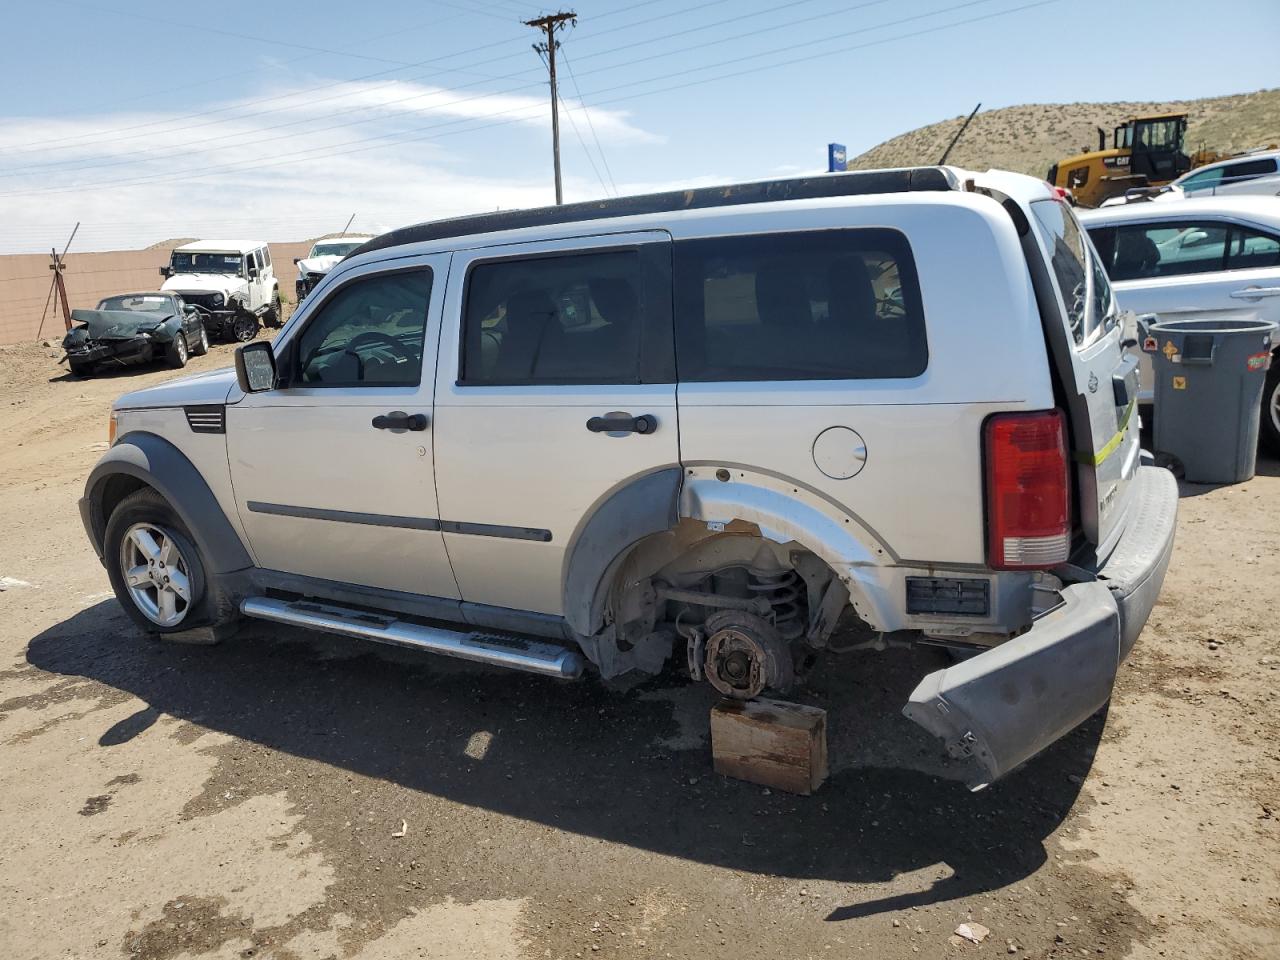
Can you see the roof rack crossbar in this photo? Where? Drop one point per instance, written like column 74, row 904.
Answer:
column 765, row 191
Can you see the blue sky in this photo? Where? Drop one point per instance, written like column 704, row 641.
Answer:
column 279, row 120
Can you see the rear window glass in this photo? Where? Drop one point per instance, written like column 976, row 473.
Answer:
column 818, row 305
column 1067, row 257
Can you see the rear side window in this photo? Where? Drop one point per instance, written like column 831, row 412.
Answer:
column 1251, row 249
column 1067, row 258
column 818, row 305
column 1248, row 169
column 579, row 318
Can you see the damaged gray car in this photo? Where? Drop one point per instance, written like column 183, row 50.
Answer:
column 134, row 328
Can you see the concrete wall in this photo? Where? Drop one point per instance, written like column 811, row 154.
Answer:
column 25, row 279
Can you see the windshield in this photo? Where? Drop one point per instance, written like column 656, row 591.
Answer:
column 334, row 248
column 1159, row 135
column 142, row 302
column 206, row 263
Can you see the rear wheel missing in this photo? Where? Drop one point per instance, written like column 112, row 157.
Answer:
column 745, row 655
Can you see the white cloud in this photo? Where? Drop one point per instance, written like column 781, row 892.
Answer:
column 289, row 168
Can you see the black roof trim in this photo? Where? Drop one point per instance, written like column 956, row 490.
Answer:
column 801, row 188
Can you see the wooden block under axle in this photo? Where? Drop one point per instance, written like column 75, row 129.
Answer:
column 769, row 742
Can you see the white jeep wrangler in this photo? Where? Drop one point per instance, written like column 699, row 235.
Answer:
column 324, row 256
column 725, row 426
column 231, row 283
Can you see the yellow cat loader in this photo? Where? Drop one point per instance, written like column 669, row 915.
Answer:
column 1145, row 152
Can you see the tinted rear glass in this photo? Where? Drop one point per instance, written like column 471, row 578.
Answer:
column 1066, row 256
column 818, row 305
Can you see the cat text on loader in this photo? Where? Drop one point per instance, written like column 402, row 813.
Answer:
column 1144, row 152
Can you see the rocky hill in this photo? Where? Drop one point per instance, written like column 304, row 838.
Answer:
column 1030, row 137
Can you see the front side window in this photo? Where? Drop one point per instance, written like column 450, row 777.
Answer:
column 369, row 333
column 1203, row 180
column 817, row 305
column 578, row 318
column 1167, row 249
column 1067, row 258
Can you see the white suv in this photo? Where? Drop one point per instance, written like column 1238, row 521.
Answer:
column 716, row 426
column 231, row 282
column 324, row 256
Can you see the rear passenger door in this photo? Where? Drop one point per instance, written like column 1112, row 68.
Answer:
column 541, row 342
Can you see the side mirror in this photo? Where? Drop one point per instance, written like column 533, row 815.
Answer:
column 253, row 273
column 165, row 271
column 256, row 367
column 296, row 261
column 188, row 308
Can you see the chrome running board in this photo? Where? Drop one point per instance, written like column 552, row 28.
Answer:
column 496, row 649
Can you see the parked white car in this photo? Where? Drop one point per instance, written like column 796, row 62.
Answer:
column 712, row 424
column 323, row 257
column 231, row 282
column 1256, row 173
column 1209, row 257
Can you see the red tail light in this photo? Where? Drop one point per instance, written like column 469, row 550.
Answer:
column 1028, row 491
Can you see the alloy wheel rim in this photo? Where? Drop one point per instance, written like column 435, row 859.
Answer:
column 243, row 329
column 1275, row 407
column 156, row 574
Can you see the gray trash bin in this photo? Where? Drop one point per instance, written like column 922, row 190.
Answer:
column 1209, row 376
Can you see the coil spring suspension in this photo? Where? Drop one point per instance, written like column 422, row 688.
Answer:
column 785, row 593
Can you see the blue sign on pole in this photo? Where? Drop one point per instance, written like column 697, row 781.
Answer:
column 836, row 159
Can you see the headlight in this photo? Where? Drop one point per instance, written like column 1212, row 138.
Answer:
column 217, row 299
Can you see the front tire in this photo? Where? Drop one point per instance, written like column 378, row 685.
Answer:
column 154, row 565
column 202, row 343
column 176, row 353
column 274, row 314
column 1270, row 426
column 244, row 327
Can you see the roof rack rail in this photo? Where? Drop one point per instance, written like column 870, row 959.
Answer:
column 762, row 191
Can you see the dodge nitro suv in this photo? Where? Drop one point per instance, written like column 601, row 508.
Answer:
column 716, row 428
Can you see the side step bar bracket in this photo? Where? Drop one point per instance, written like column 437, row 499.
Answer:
column 496, row 649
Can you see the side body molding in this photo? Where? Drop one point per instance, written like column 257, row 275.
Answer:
column 637, row 510
column 159, row 464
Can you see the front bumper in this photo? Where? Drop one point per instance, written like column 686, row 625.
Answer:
column 1004, row 706
column 134, row 350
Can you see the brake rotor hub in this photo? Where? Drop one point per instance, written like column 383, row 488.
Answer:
column 744, row 655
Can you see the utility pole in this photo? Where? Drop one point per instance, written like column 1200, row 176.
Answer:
column 58, row 285
column 550, row 24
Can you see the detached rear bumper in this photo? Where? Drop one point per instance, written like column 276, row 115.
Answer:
column 1004, row 706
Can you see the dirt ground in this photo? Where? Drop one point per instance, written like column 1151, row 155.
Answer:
column 248, row 800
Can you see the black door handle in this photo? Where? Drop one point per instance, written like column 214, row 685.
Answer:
column 623, row 423
column 399, row 420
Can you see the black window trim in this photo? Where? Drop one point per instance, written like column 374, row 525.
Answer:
column 657, row 361
column 290, row 358
column 911, row 269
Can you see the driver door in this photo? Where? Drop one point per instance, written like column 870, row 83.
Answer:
column 328, row 485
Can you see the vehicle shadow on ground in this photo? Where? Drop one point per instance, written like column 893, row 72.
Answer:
column 628, row 767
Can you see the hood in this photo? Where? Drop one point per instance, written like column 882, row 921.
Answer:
column 116, row 324
column 317, row 264
column 203, row 283
column 211, row 387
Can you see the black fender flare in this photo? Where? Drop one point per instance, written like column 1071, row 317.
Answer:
column 638, row 509
column 163, row 467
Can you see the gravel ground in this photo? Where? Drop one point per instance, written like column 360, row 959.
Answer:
column 293, row 796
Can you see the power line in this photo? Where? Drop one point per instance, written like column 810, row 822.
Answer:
column 329, row 153
column 35, row 146
column 603, row 159
column 184, row 148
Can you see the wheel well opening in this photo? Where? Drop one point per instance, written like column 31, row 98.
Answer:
column 114, row 489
